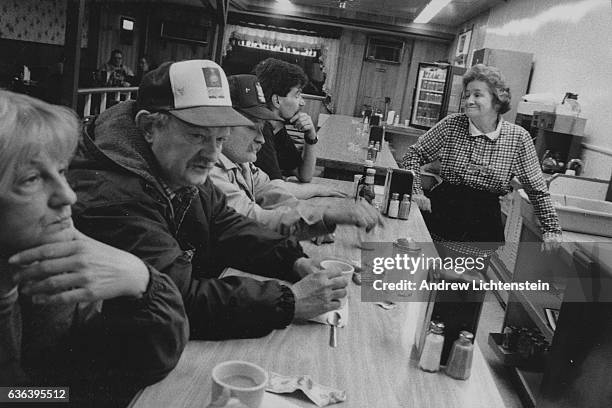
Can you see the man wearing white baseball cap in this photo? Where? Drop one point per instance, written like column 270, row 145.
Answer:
column 141, row 177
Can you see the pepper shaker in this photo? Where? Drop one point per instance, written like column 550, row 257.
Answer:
column 460, row 359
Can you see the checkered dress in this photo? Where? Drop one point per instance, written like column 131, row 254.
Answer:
column 484, row 164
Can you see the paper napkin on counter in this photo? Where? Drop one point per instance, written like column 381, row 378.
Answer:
column 321, row 395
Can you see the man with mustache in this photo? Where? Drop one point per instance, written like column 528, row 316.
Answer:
column 250, row 191
column 141, row 178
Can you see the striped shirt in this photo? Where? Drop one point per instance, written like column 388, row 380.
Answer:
column 484, row 164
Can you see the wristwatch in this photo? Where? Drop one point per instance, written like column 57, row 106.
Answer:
column 311, row 142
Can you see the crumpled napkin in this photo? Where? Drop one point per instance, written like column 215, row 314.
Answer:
column 321, row 395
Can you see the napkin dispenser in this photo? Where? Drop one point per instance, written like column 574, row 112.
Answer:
column 376, row 134
column 397, row 181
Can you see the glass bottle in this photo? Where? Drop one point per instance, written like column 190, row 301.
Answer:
column 432, row 348
column 393, row 206
column 356, row 184
column 460, row 359
column 367, row 191
column 404, row 207
column 371, row 152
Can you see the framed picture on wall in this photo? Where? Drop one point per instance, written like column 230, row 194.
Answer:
column 463, row 42
column 463, row 46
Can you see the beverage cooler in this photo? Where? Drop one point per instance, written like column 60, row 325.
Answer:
column 437, row 94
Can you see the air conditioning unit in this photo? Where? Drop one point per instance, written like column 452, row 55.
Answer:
column 384, row 50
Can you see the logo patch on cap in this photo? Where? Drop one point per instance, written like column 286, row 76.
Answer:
column 260, row 94
column 214, row 86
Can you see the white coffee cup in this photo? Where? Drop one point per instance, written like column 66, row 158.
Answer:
column 336, row 265
column 245, row 381
column 346, row 269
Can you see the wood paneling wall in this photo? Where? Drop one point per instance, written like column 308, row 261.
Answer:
column 109, row 30
column 146, row 39
column 380, row 80
column 352, row 49
column 422, row 51
column 161, row 49
column 403, row 76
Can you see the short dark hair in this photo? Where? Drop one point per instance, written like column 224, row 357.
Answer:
column 115, row 51
column 278, row 77
column 495, row 81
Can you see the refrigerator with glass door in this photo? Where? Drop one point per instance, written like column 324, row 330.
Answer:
column 438, row 93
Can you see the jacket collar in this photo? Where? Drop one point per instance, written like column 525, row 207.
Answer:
column 115, row 136
column 225, row 163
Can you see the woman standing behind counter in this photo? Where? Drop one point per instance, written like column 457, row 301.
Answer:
column 480, row 153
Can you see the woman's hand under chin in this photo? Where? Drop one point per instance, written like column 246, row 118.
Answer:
column 6, row 278
column 7, row 271
column 75, row 268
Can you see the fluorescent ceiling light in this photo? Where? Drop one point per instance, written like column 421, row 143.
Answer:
column 284, row 5
column 430, row 11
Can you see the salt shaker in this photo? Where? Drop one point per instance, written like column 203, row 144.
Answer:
column 432, row 349
column 393, row 206
column 460, row 360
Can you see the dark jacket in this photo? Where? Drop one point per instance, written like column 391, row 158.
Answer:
column 192, row 238
column 278, row 156
column 104, row 351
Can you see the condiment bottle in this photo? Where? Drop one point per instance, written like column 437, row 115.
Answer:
column 460, row 359
column 367, row 191
column 356, row 181
column 371, row 152
column 404, row 208
column 393, row 206
column 432, row 348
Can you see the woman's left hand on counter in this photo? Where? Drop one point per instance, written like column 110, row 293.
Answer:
column 551, row 242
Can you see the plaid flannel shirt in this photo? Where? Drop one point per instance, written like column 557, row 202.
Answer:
column 485, row 164
column 180, row 199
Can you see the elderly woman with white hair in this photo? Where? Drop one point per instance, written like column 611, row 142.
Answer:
column 73, row 311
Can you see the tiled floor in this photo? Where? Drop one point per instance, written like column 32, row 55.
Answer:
column 491, row 320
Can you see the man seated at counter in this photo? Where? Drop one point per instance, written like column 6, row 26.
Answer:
column 282, row 85
column 142, row 183
column 249, row 190
column 73, row 311
column 114, row 72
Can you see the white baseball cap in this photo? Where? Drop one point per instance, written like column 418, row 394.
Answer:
column 195, row 91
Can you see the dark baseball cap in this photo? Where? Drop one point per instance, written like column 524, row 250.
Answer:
column 195, row 91
column 248, row 97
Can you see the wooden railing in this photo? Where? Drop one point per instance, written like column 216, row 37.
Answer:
column 117, row 94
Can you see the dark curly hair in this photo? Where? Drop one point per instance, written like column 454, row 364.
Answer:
column 494, row 80
column 278, row 77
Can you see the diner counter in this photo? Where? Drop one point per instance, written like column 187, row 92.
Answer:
column 342, row 147
column 374, row 362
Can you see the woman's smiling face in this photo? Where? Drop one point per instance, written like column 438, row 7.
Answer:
column 479, row 101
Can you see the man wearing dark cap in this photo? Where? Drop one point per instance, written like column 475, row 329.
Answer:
column 250, row 191
column 141, row 177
